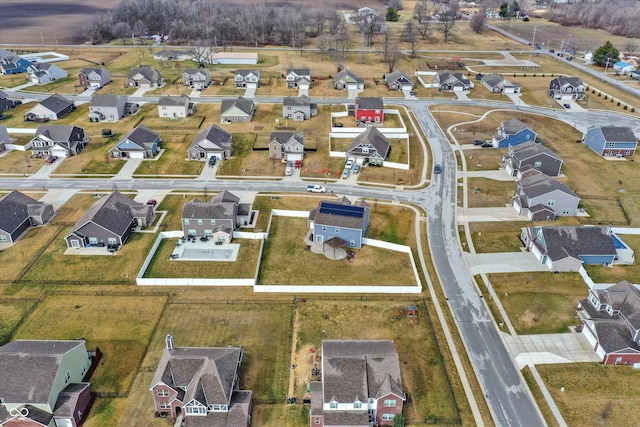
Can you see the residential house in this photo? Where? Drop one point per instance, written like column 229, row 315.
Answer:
column 286, row 146
column 201, row 384
column 611, row 322
column 44, row 72
column 109, row 222
column 247, row 79
column 491, row 14
column 172, row 55
column 370, row 147
column 60, row 141
column 568, row 248
column 345, row 79
column 609, row 141
column 197, row 78
column 10, row 63
column 622, row 67
column 340, row 220
column 541, row 198
column 139, row 143
column 495, row 83
column 53, row 107
column 369, row 109
column 635, row 74
column 175, row 107
column 107, row 108
column 4, row 138
column 216, row 219
column 511, row 133
column 361, row 384
column 144, row 77
column 237, row 110
column 18, row 213
column 43, row 383
column 397, row 80
column 530, row 155
column 566, row 88
column 298, row 108
column 298, row 78
column 6, row 103
column 452, row 80
column 211, row 142
column 93, row 78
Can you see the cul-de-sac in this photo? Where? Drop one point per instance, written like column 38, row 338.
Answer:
column 325, row 214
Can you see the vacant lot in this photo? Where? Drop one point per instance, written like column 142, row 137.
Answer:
column 484, row 192
column 119, row 326
column 497, row 236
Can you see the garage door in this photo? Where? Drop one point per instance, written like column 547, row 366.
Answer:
column 136, row 155
column 63, row 423
column 407, row 87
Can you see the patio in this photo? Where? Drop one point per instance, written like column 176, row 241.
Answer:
column 208, row 250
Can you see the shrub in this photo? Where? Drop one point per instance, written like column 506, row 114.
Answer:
column 624, row 108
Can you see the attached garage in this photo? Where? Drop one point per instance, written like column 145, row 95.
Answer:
column 136, row 154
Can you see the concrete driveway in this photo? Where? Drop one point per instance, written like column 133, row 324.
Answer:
column 128, row 169
column 503, row 262
column 488, row 215
column 46, row 169
column 571, row 347
column 58, row 197
column 498, row 175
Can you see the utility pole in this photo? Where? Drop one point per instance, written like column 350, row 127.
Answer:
column 562, row 45
column 533, row 40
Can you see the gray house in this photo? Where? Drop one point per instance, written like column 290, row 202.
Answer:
column 54, row 107
column 109, row 222
column 345, row 79
column 44, row 72
column 94, row 78
column 286, row 146
column 175, row 107
column 529, row 155
column 58, row 140
column 397, row 80
column 566, row 88
column 452, row 80
column 370, row 147
column 216, row 219
column 298, row 108
column 6, row 103
column 247, row 79
column 340, row 222
column 495, row 83
column 197, row 78
column 298, row 78
column 107, row 108
column 139, row 143
column 18, row 213
column 541, row 198
column 211, row 142
column 145, row 77
column 237, row 110
column 567, row 248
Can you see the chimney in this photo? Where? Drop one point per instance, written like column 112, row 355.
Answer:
column 169, row 342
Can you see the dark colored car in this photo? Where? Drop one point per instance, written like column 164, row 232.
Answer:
column 52, row 159
column 486, row 145
column 566, row 105
column 212, row 160
column 478, row 142
column 152, row 202
column 437, row 169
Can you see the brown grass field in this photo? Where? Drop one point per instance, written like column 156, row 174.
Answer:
column 12, row 312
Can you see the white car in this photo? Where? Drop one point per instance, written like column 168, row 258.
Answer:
column 288, row 171
column 349, row 164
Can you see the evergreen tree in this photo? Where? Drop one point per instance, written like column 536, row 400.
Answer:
column 606, row 52
column 392, row 14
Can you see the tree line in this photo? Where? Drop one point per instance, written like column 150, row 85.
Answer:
column 617, row 17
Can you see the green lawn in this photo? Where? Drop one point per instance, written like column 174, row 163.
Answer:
column 12, row 312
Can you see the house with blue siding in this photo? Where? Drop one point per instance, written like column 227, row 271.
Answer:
column 340, row 220
column 568, row 248
column 511, row 133
column 139, row 143
column 10, row 63
column 609, row 141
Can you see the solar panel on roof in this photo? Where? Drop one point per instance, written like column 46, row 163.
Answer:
column 344, row 210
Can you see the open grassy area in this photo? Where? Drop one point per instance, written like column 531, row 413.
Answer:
column 16, row 258
column 265, row 204
column 12, row 312
column 490, row 193
column 613, row 402
column 285, row 260
column 243, row 267
column 94, row 159
column 540, row 302
column 119, row 326
column 497, row 236
column 19, row 162
column 423, row 372
column 537, row 395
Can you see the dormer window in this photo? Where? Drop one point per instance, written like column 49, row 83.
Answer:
column 357, row 405
column 333, row 405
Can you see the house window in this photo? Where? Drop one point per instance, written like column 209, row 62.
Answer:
column 83, row 370
column 537, row 164
column 627, row 153
column 324, row 228
column 67, row 377
column 163, row 393
column 611, row 144
column 199, row 222
column 3, row 238
column 388, row 417
column 316, row 420
column 208, row 232
column 566, row 212
column 165, row 405
column 93, row 240
column 112, row 241
column 333, row 405
column 551, row 202
column 337, row 229
column 357, row 405
column 352, row 242
column 186, row 222
column 191, row 232
column 365, row 150
column 213, row 222
column 389, row 403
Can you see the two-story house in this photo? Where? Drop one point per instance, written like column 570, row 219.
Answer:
column 216, row 219
column 541, row 198
column 397, row 80
column 369, row 109
column 530, row 155
column 346, row 80
column 452, row 80
column 144, row 77
column 568, row 248
column 495, row 83
column 93, row 78
column 511, row 133
column 286, row 146
column 175, row 107
column 370, row 147
column 566, row 88
column 6, row 103
column 201, row 384
column 10, row 63
column 361, row 384
column 43, row 383
column 249, row 79
column 212, row 141
column 298, row 108
column 107, row 108
column 340, row 220
column 139, row 143
column 19, row 213
column 611, row 141
column 298, row 78
column 611, row 322
column 197, row 78
column 59, row 141
column 44, row 72
column 53, row 107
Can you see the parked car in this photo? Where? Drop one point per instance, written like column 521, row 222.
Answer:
column 316, row 189
column 289, row 164
column 552, row 51
column 152, row 202
column 107, row 133
column 412, row 93
column 288, row 171
column 437, row 169
column 356, row 169
column 566, row 105
column 345, row 173
column 297, row 164
column 486, row 145
column 52, row 159
column 478, row 142
column 212, row 160
column 349, row 164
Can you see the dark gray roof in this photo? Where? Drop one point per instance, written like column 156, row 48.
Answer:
column 347, row 76
column 618, row 134
column 14, row 210
column 284, row 137
column 28, row 369
column 106, row 100
column 56, row 103
column 513, row 126
column 4, row 134
column 194, row 71
column 212, row 137
column 562, row 242
column 625, row 298
column 147, row 72
column 535, row 184
column 493, row 79
column 347, row 418
column 301, row 72
column 245, row 105
column 113, row 212
column 397, row 75
column 530, row 149
column 141, row 135
column 613, row 335
column 225, row 197
column 61, row 133
column 174, row 101
column 373, row 138
column 197, row 209
column 446, row 75
column 68, row 399
column 89, row 70
column 237, row 415
column 370, row 103
column 359, row 369
column 296, row 101
column 573, row 81
column 245, row 73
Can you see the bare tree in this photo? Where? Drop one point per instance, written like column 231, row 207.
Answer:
column 448, row 21
column 424, row 29
column 410, row 35
column 630, row 46
column 477, row 21
column 122, row 30
column 368, row 25
column 421, row 12
column 393, row 56
column 385, row 50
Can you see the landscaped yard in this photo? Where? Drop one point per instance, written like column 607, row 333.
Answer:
column 119, row 326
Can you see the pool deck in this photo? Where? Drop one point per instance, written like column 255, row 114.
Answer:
column 205, row 251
